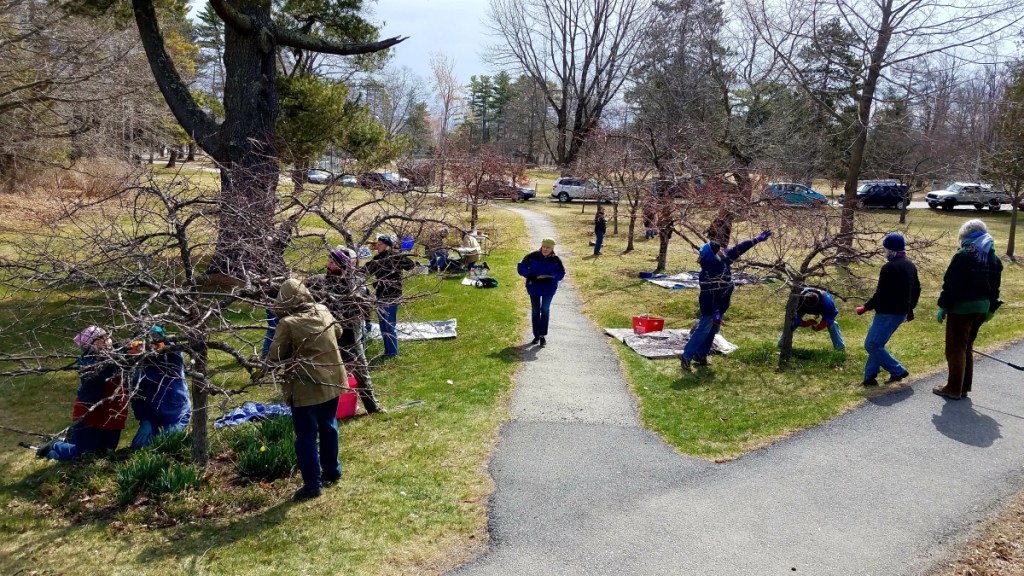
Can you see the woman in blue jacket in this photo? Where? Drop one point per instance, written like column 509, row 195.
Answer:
column 543, row 271
column 715, row 296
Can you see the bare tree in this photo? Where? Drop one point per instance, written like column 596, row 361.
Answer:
column 448, row 93
column 578, row 53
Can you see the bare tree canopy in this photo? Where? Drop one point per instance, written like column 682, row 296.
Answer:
column 578, row 53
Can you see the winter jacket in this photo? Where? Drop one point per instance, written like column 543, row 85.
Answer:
column 826, row 307
column 898, row 288
column 387, row 268
column 159, row 391
column 971, row 286
column 536, row 264
column 100, row 383
column 600, row 224
column 306, row 342
column 716, row 277
column 344, row 294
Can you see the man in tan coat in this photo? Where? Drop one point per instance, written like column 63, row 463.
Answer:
column 306, row 347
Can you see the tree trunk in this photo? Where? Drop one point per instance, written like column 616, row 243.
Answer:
column 1013, row 232
column 786, row 350
column 173, row 161
column 299, row 174
column 474, row 215
column 191, row 151
column 664, row 235
column 200, row 403
column 632, row 230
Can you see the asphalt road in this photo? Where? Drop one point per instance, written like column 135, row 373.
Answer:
column 893, row 487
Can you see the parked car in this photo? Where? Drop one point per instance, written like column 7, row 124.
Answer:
column 794, row 194
column 973, row 193
column 378, row 181
column 568, row 188
column 501, row 190
column 882, row 193
column 397, row 179
column 349, row 180
column 317, row 176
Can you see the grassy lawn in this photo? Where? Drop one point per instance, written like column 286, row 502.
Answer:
column 742, row 401
column 412, row 498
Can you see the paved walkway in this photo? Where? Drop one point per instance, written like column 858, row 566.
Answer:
column 893, row 487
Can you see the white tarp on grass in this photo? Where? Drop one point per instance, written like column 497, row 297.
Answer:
column 665, row 343
column 691, row 279
column 435, row 330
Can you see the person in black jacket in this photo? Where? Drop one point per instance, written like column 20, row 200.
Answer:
column 387, row 267
column 969, row 298
column 600, row 225
column 893, row 302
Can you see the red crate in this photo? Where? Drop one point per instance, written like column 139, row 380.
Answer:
column 644, row 324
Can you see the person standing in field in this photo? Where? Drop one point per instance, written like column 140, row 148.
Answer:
column 600, row 226
column 387, row 268
column 543, row 271
column 969, row 298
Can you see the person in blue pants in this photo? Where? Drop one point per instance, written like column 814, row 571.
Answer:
column 543, row 271
column 817, row 302
column 387, row 268
column 715, row 296
column 159, row 392
column 600, row 226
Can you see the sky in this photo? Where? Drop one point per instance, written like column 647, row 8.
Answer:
column 453, row 27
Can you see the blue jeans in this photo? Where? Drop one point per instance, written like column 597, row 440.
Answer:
column 882, row 328
column 834, row 333
column 317, row 464
column 598, row 242
column 540, row 313
column 438, row 260
column 271, row 330
column 388, row 316
column 701, row 339
column 82, row 439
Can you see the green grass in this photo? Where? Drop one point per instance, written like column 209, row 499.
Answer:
column 742, row 401
column 412, row 496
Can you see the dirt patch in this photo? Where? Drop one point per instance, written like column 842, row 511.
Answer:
column 997, row 548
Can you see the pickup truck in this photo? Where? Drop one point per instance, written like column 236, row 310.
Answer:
column 977, row 195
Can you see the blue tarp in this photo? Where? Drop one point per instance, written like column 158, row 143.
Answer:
column 251, row 411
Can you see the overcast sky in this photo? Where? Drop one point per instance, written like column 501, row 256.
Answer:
column 452, row 27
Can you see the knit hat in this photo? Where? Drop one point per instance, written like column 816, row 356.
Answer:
column 387, row 239
column 547, row 243
column 894, row 242
column 342, row 255
column 87, row 336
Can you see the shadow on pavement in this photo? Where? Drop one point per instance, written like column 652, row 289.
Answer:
column 893, row 397
column 961, row 422
column 523, row 352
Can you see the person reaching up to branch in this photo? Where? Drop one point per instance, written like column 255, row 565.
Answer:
column 715, row 296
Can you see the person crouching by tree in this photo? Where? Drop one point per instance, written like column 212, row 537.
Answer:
column 159, row 397
column 969, row 298
column 817, row 302
column 306, row 345
column 715, row 296
column 343, row 291
column 543, row 271
column 101, row 402
column 387, row 267
column 893, row 302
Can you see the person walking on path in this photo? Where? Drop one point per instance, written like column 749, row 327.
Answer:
column 969, row 298
column 600, row 225
column 715, row 296
column 343, row 291
column 894, row 301
column 387, row 268
column 543, row 271
column 306, row 342
column 817, row 302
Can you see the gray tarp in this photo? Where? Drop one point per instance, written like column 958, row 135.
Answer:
column 690, row 279
column 435, row 330
column 664, row 344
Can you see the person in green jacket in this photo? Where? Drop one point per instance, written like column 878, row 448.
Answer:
column 306, row 346
column 970, row 296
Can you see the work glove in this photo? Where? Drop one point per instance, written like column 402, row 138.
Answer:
column 807, row 323
column 716, row 318
column 144, row 437
column 764, row 235
column 860, row 310
column 821, row 326
column 910, row 316
column 941, row 315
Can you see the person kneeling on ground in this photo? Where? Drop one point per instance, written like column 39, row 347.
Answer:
column 159, row 397
column 306, row 342
column 715, row 296
column 818, row 302
column 101, row 404
column 893, row 302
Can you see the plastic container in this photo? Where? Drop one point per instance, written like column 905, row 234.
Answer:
column 407, row 243
column 348, row 400
column 644, row 324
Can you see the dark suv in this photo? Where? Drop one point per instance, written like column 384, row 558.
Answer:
column 379, row 181
column 883, row 194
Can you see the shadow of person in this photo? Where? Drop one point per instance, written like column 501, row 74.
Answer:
column 892, row 397
column 961, row 422
column 511, row 354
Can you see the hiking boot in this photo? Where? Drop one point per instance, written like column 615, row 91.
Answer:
column 306, row 494
column 329, row 480
column 869, row 382
column 685, row 364
column 941, row 391
column 44, row 450
column 699, row 360
column 535, row 341
column 894, row 378
column 543, row 342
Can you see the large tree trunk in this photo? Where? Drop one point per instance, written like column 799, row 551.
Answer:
column 786, row 350
column 191, row 151
column 173, row 161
